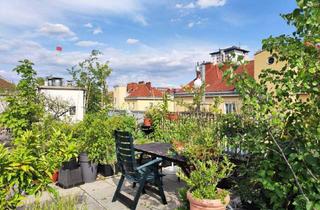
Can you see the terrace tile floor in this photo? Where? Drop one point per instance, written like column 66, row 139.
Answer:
column 98, row 195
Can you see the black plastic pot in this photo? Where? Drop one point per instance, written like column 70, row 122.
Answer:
column 70, row 174
column 89, row 169
column 105, row 169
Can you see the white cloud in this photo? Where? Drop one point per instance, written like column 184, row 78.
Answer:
column 33, row 13
column 88, row 43
column 201, row 4
column 210, row 3
column 141, row 19
column 191, row 5
column 191, row 24
column 56, row 30
column 132, row 41
column 173, row 64
column 88, row 25
column 97, row 30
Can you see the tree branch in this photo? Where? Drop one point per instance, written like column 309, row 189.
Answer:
column 289, row 165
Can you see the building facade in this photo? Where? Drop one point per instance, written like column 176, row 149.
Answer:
column 138, row 96
column 73, row 98
column 228, row 54
column 215, row 87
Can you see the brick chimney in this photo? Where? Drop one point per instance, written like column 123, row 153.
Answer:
column 148, row 85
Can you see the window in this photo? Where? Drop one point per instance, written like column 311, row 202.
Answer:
column 72, row 110
column 271, row 60
column 230, row 107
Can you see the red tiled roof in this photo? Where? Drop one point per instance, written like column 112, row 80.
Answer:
column 214, row 77
column 5, row 85
column 144, row 90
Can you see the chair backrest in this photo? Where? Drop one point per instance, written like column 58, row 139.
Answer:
column 125, row 152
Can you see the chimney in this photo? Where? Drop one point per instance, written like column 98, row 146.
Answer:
column 198, row 71
column 203, row 71
column 148, row 84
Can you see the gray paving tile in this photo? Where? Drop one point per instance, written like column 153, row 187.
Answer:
column 98, row 195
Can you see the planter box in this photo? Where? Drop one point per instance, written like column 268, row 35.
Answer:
column 89, row 170
column 105, row 170
column 70, row 175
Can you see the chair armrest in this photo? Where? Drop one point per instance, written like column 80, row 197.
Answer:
column 150, row 163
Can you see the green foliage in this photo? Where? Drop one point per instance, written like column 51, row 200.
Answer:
column 96, row 135
column 91, row 75
column 61, row 203
column 35, row 155
column 283, row 109
column 184, row 202
column 25, row 106
column 204, row 178
column 198, row 94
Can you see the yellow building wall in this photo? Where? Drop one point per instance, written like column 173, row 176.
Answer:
column 261, row 62
column 208, row 103
column 120, row 102
column 119, row 94
column 142, row 104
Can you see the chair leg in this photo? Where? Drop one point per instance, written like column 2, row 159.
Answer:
column 161, row 192
column 136, row 198
column 115, row 196
column 144, row 190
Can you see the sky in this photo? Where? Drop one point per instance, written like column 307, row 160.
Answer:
column 143, row 40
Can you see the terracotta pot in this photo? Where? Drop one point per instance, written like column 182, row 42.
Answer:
column 178, row 146
column 207, row 204
column 147, row 121
column 54, row 176
column 173, row 116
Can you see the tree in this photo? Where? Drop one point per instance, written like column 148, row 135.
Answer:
column 284, row 138
column 56, row 106
column 24, row 107
column 91, row 75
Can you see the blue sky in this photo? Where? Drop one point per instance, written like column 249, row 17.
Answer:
column 151, row 40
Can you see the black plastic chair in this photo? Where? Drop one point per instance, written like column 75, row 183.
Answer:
column 146, row 173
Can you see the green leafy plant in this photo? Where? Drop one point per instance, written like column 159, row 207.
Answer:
column 25, row 105
column 96, row 135
column 284, row 107
column 91, row 75
column 205, row 177
column 33, row 158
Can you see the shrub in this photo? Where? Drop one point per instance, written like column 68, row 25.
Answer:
column 24, row 106
column 96, row 135
column 205, row 177
column 35, row 154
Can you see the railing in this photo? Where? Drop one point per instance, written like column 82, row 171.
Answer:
column 201, row 117
column 233, row 149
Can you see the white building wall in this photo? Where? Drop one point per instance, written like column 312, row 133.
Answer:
column 74, row 97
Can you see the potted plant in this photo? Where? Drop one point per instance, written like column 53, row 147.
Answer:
column 147, row 121
column 87, row 132
column 54, row 176
column 202, row 184
column 173, row 116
